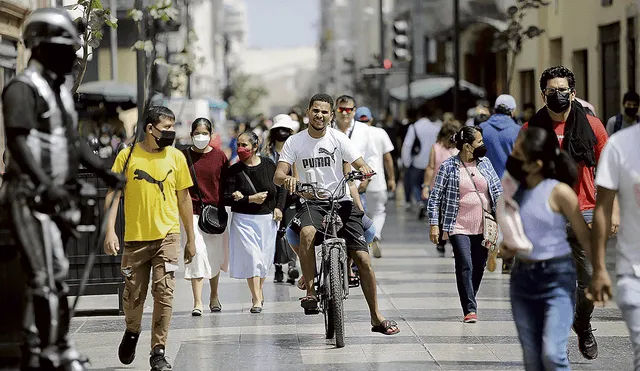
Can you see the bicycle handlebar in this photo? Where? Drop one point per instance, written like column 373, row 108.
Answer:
column 305, row 189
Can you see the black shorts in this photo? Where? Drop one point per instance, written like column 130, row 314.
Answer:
column 352, row 230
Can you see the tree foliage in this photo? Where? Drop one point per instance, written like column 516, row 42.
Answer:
column 245, row 96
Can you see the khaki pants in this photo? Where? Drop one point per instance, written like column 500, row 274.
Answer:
column 140, row 260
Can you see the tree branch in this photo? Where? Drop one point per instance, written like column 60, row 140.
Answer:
column 85, row 49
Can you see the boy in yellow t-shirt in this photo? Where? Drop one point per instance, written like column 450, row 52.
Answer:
column 156, row 197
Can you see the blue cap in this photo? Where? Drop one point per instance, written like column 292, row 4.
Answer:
column 363, row 114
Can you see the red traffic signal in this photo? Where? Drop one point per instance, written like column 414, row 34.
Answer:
column 387, row 64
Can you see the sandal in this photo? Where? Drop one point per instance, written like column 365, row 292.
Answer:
column 354, row 281
column 256, row 310
column 384, row 327
column 196, row 312
column 310, row 304
column 216, row 307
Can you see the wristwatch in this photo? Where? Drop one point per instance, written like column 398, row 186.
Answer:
column 423, row 186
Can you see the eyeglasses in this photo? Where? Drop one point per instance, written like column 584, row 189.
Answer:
column 552, row 91
column 346, row 109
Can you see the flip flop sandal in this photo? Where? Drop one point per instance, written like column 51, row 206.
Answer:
column 217, row 307
column 196, row 312
column 256, row 310
column 384, row 327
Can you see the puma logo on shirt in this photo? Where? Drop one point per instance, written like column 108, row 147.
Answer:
column 320, row 161
column 143, row 175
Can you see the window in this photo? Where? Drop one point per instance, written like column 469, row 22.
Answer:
column 527, row 87
column 555, row 52
column 631, row 54
column 580, row 66
column 610, row 67
column 607, row 2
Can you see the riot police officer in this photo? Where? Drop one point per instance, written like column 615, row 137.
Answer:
column 40, row 189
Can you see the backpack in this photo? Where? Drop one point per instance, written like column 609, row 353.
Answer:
column 618, row 125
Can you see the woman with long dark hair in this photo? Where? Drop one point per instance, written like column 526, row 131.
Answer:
column 206, row 164
column 543, row 280
column 257, row 204
column 465, row 185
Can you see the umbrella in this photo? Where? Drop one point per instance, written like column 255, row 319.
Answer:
column 108, row 91
column 433, row 87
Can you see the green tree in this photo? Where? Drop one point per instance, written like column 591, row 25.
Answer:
column 245, row 96
column 96, row 16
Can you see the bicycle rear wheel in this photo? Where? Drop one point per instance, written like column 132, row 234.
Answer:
column 337, row 296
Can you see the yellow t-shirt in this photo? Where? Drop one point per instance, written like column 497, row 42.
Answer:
column 150, row 196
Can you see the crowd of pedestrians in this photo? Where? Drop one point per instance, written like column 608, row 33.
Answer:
column 534, row 173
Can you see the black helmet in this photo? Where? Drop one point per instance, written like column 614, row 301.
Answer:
column 51, row 26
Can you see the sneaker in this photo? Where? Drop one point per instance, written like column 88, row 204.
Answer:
column 279, row 274
column 127, row 349
column 471, row 318
column 292, row 275
column 587, row 343
column 440, row 249
column 158, row 360
column 375, row 246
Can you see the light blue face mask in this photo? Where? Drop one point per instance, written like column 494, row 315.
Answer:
column 201, row 141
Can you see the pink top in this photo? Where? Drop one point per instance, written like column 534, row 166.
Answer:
column 469, row 219
column 441, row 153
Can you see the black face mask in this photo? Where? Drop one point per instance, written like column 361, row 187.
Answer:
column 479, row 152
column 631, row 112
column 479, row 119
column 281, row 135
column 166, row 137
column 59, row 59
column 514, row 167
column 558, row 102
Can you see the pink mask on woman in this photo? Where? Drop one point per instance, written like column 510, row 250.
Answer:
column 244, row 153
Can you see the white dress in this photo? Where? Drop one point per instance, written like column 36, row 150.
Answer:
column 212, row 252
column 252, row 245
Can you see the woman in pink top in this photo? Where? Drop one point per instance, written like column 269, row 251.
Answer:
column 464, row 185
column 440, row 151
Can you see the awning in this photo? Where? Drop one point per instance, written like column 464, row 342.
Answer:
column 433, row 87
column 109, row 91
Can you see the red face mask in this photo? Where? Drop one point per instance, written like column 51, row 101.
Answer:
column 244, row 153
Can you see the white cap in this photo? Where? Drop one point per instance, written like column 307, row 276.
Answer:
column 506, row 100
column 285, row 121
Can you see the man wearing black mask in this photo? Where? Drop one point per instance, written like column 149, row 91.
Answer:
column 583, row 136
column 40, row 194
column 628, row 117
column 156, row 199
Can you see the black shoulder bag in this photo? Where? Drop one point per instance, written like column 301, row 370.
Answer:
column 213, row 220
column 417, row 146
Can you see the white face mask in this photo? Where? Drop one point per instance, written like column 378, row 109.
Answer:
column 201, row 141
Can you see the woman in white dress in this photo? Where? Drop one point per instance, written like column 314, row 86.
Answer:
column 257, row 204
column 207, row 164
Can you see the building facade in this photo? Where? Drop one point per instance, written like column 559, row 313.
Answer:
column 600, row 48
column 12, row 54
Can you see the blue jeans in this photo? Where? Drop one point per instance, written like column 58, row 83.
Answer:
column 470, row 260
column 542, row 300
column 415, row 177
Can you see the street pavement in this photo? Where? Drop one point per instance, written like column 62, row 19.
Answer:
column 416, row 288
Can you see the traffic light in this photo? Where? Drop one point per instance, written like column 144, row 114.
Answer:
column 387, row 64
column 401, row 41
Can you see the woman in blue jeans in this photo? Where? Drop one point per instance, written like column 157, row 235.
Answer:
column 543, row 281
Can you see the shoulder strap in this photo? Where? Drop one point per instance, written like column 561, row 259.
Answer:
column 250, row 182
column 618, row 125
column 474, row 184
column 192, row 169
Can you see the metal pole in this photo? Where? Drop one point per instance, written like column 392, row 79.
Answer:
column 188, row 23
column 456, row 56
column 114, row 43
column 141, row 66
column 411, row 34
column 382, row 57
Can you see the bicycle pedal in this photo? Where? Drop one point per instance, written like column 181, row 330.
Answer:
column 354, row 284
column 311, row 312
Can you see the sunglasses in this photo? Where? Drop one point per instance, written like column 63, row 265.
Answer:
column 346, row 109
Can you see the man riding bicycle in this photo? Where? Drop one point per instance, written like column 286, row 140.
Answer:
column 324, row 151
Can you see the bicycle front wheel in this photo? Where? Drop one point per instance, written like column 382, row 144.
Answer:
column 336, row 302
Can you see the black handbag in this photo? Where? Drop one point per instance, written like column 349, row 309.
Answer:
column 212, row 220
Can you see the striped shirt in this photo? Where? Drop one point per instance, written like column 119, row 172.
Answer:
column 444, row 199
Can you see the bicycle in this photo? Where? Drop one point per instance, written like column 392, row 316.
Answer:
column 332, row 277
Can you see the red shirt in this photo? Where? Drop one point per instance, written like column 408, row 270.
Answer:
column 209, row 168
column 585, row 186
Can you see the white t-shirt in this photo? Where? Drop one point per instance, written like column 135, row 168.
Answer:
column 380, row 144
column 619, row 170
column 324, row 156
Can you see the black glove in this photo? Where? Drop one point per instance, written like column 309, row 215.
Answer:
column 114, row 180
column 56, row 196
